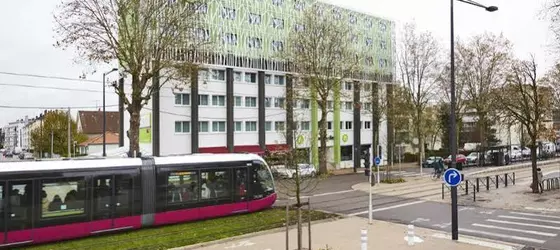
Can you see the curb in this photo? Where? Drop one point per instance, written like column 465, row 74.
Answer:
column 506, row 168
column 243, row 236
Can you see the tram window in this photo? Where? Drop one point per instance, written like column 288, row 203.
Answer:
column 215, row 184
column 182, row 187
column 262, row 183
column 62, row 198
column 1, row 206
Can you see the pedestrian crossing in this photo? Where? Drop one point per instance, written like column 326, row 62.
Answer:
column 425, row 174
column 519, row 227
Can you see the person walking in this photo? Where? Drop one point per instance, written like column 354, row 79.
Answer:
column 540, row 179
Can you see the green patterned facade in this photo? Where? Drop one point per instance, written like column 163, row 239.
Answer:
column 256, row 29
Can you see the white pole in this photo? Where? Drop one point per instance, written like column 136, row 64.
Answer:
column 411, row 235
column 370, row 197
column 364, row 239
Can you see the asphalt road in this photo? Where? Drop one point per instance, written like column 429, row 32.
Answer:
column 527, row 228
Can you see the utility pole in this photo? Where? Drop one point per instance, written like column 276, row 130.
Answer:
column 69, row 133
column 52, row 143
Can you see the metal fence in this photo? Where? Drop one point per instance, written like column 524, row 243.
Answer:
column 551, row 183
column 473, row 185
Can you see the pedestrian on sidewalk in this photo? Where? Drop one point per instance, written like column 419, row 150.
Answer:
column 540, row 179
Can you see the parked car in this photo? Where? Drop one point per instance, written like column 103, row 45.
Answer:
column 460, row 158
column 305, row 170
column 26, row 156
column 472, row 158
column 428, row 163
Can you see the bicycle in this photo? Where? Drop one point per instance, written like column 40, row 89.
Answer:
column 436, row 174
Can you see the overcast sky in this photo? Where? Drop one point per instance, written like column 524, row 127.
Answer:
column 26, row 38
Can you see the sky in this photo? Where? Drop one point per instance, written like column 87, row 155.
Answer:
column 27, row 38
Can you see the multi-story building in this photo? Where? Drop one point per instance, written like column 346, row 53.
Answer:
column 236, row 101
column 13, row 134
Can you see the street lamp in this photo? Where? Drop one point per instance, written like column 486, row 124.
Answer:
column 452, row 137
column 104, row 122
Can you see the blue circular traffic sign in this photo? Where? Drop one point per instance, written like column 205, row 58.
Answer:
column 377, row 161
column 452, row 177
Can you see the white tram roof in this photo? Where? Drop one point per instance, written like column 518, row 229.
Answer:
column 25, row 166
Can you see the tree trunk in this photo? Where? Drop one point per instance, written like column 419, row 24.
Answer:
column 535, row 184
column 134, row 131
column 323, row 138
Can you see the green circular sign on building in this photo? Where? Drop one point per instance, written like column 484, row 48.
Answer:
column 344, row 137
column 300, row 140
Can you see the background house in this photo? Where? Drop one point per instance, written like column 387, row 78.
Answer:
column 91, row 124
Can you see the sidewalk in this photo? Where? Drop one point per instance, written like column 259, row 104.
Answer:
column 344, row 234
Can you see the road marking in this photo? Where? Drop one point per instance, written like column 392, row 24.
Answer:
column 331, row 193
column 487, row 212
column 529, row 219
column 465, row 208
column 503, row 236
column 475, row 242
column 542, row 209
column 522, row 224
column 420, row 220
column 515, row 230
column 442, row 225
column 388, row 208
column 537, row 215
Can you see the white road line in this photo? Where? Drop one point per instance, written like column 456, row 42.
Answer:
column 537, row 215
column 503, row 236
column 388, row 208
column 515, row 230
column 337, row 192
column 481, row 243
column 542, row 209
column 522, row 224
column 529, row 219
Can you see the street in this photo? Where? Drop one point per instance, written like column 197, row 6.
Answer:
column 416, row 203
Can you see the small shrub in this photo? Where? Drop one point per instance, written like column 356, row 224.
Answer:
column 394, row 180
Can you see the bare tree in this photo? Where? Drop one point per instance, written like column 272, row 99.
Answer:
column 481, row 68
column 418, row 61
column 320, row 53
column 528, row 100
column 153, row 41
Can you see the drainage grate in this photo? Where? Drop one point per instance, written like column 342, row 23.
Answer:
column 533, row 248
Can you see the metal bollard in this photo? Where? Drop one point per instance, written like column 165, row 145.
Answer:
column 364, row 239
column 411, row 235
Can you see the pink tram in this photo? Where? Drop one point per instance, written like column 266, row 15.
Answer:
column 45, row 201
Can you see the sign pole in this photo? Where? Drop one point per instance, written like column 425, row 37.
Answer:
column 452, row 178
column 370, row 208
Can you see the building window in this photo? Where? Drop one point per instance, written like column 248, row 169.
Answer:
column 238, row 101
column 347, row 85
column 305, row 126
column 369, row 41
column 299, row 5
column 268, row 102
column 369, row 60
column 367, row 106
column 299, row 27
column 250, row 102
column 329, row 125
column 254, row 18
column 219, row 75
column 279, row 102
column 218, row 100
column 279, row 80
column 203, row 34
column 268, row 126
column 237, row 76
column 203, row 126
column 61, row 203
column 369, row 23
column 280, row 126
column 367, row 86
column 354, row 38
column 277, row 23
column 182, row 127
column 251, row 77
column 352, row 19
column 382, row 26
column 348, row 105
column 330, row 104
column 348, row 125
column 305, row 104
column 238, row 126
column 277, row 45
column 277, row 2
column 251, row 126
column 336, row 14
column 230, row 38
column 218, row 126
column 254, row 42
column 267, row 79
column 228, row 13
column 367, row 125
column 182, row 99
column 202, row 8
column 382, row 63
column 203, row 100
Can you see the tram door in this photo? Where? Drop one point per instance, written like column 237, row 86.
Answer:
column 17, row 211
column 240, row 187
column 2, row 213
column 112, row 202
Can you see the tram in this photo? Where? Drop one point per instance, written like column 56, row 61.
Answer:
column 46, row 201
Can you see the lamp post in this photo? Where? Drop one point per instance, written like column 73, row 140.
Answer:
column 452, row 137
column 104, row 122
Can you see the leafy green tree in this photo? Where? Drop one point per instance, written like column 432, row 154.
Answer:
column 55, row 126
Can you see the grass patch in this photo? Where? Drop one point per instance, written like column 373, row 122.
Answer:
column 394, row 180
column 186, row 233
